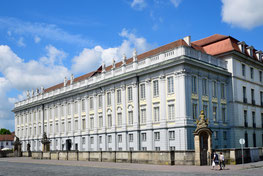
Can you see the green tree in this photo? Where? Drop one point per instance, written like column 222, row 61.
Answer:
column 4, row 131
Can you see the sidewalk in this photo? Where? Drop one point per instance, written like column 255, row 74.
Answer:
column 142, row 167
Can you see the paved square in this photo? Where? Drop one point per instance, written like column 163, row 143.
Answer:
column 30, row 167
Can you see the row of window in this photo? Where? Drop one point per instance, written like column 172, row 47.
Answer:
column 253, row 115
column 252, row 96
column 251, row 72
column 156, row 118
column 205, row 87
column 206, row 111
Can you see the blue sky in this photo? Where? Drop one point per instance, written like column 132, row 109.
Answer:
column 41, row 42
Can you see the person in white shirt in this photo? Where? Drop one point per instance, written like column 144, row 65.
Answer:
column 221, row 161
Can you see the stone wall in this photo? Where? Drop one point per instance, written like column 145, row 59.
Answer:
column 150, row 157
column 232, row 156
column 7, row 153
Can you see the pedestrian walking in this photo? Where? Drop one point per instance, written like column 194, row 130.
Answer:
column 215, row 160
column 221, row 161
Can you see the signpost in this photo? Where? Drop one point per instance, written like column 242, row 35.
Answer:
column 242, row 142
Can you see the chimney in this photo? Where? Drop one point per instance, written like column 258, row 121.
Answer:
column 187, row 39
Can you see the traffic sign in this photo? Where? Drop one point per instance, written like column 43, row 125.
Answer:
column 242, row 141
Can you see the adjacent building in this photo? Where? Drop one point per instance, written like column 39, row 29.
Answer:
column 151, row 101
column 6, row 141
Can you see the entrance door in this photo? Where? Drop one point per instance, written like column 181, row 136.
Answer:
column 203, row 147
column 68, row 144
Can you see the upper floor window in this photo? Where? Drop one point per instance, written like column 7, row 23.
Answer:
column 204, row 86
column 245, row 118
column 155, row 88
column 243, row 70
column 129, row 93
column 76, row 107
column 100, row 121
column 244, row 94
column 171, row 112
column 251, row 73
column 224, row 114
column 108, row 98
column 119, row 116
column 260, row 76
column 69, row 109
column 215, row 113
column 100, row 101
column 261, row 98
column 143, row 116
column 253, row 96
column 223, row 91
column 91, row 102
column 109, row 121
column 156, row 114
column 130, row 117
column 254, row 119
column 119, row 96
column 142, row 91
column 194, row 110
column 194, row 84
column 170, row 85
column 83, row 105
column 214, row 84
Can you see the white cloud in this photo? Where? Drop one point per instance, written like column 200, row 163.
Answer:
column 243, row 13
column 32, row 74
column 175, row 2
column 43, row 30
column 54, row 56
column 37, row 39
column 90, row 59
column 138, row 4
column 22, row 76
column 20, row 42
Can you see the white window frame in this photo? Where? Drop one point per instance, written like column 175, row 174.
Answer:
column 130, row 93
column 142, row 91
column 155, row 88
column 170, row 85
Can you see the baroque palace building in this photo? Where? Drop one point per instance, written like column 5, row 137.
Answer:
column 151, row 101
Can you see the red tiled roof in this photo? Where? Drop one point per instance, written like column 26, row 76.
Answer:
column 219, row 44
column 7, row 137
column 210, row 39
column 213, row 45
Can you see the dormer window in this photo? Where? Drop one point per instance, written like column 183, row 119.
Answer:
column 259, row 55
column 250, row 50
column 241, row 46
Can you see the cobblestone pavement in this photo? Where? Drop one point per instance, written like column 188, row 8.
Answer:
column 27, row 166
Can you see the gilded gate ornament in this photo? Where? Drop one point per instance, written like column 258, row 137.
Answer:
column 203, row 122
